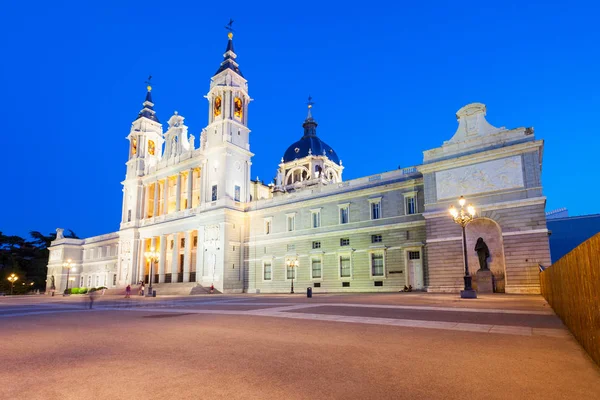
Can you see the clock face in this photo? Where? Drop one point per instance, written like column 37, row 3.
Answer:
column 237, row 102
column 217, row 106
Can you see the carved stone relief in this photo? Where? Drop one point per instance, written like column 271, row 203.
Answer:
column 489, row 176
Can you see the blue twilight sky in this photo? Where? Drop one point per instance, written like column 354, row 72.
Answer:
column 387, row 79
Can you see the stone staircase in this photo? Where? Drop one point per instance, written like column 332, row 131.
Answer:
column 167, row 289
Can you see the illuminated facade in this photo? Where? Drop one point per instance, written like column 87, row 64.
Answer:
column 211, row 224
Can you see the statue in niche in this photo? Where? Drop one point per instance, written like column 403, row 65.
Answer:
column 59, row 233
column 174, row 146
column 482, row 253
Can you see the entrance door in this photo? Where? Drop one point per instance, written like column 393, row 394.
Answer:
column 415, row 269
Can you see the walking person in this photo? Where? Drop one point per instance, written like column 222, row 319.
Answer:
column 92, row 294
column 142, row 287
column 128, row 292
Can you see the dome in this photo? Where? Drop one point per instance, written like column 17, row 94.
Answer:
column 310, row 145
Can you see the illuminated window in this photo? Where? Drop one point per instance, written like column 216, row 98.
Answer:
column 195, row 241
column 217, row 106
column 133, row 146
column 151, row 147
column 237, row 102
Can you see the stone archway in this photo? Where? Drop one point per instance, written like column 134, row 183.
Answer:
column 491, row 233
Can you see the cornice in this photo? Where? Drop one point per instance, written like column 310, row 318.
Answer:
column 483, row 156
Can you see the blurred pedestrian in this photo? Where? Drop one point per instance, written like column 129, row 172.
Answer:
column 128, row 292
column 212, row 288
column 142, row 288
column 92, row 294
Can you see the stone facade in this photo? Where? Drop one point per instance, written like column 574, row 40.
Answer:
column 212, row 225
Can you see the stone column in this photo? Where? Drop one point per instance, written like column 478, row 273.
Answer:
column 175, row 258
column 187, row 256
column 141, row 261
column 178, row 192
column 162, row 258
column 189, row 187
column 200, row 254
column 165, row 195
column 155, row 207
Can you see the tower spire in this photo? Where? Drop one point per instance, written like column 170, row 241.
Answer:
column 148, row 110
column 229, row 56
column 310, row 125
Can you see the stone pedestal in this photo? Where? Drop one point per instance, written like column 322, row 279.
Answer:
column 484, row 281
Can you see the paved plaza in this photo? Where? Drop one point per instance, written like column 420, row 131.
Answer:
column 367, row 346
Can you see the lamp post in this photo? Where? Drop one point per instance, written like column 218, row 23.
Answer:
column 292, row 264
column 69, row 266
column 463, row 217
column 151, row 257
column 12, row 279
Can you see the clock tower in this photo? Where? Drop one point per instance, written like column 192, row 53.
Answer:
column 226, row 137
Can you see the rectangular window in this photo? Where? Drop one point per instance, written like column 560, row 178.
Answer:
column 316, row 245
column 267, row 227
column 344, row 242
column 377, row 264
column 316, row 219
column 414, row 255
column 376, row 239
column 114, row 280
column 344, row 215
column 316, row 268
column 214, row 193
column 290, row 272
column 291, row 222
column 345, row 284
column 267, row 271
column 411, row 205
column 128, row 215
column 182, row 241
column 236, row 194
column 376, row 210
column 345, row 268
column 195, row 241
column 291, row 247
column 172, row 244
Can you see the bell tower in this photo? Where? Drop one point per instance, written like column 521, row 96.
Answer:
column 145, row 150
column 226, row 137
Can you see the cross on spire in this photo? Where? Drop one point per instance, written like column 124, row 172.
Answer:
column 148, row 82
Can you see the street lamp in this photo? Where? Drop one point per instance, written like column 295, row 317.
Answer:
column 12, row 279
column 69, row 266
column 292, row 264
column 151, row 257
column 463, row 218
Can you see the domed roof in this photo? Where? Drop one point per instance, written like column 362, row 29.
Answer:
column 310, row 144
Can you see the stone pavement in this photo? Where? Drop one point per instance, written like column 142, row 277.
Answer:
column 405, row 345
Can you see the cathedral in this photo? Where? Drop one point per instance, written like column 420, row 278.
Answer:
column 195, row 206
